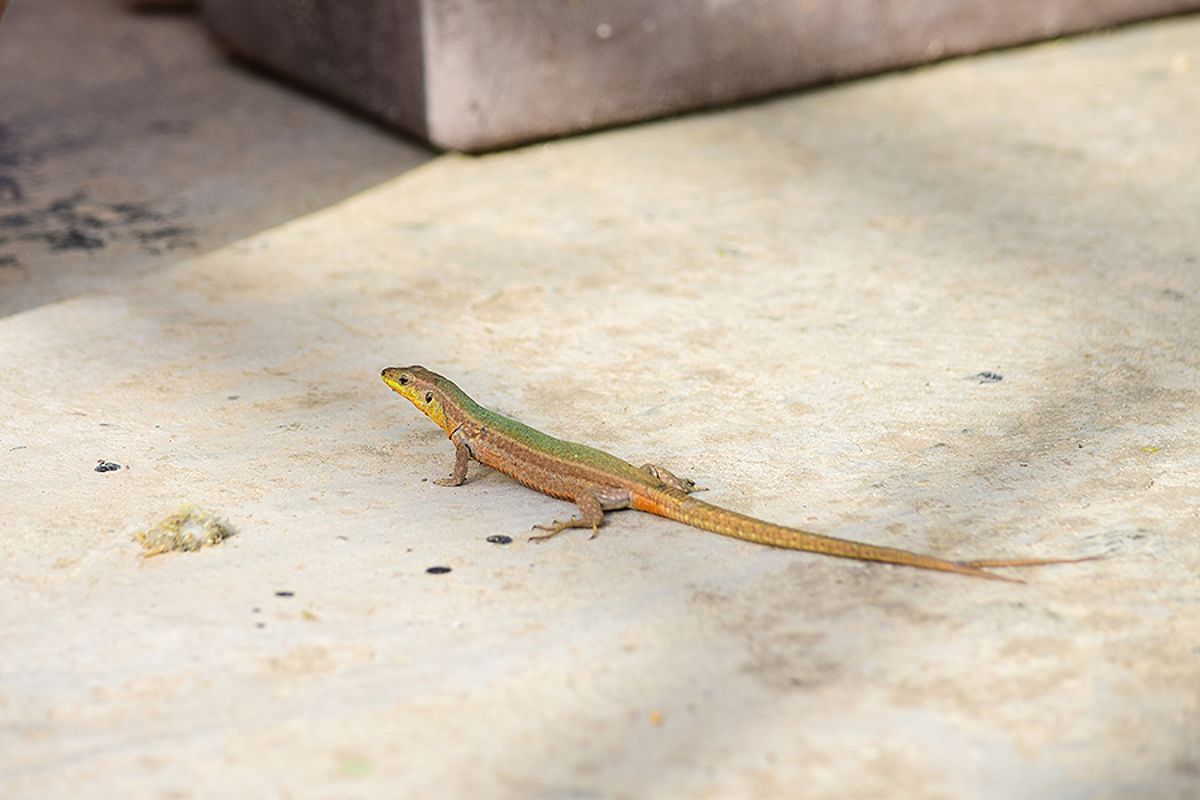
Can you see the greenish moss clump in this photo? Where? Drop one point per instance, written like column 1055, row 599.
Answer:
column 187, row 530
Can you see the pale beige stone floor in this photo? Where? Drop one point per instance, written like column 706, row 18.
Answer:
column 788, row 301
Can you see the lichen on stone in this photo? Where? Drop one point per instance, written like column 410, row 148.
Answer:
column 188, row 529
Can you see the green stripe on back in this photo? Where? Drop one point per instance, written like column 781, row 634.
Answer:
column 559, row 448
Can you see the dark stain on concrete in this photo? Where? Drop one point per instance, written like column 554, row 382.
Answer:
column 77, row 223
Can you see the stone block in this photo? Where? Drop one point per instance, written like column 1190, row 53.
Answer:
column 475, row 75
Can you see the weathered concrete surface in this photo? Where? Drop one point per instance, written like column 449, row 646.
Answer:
column 787, row 302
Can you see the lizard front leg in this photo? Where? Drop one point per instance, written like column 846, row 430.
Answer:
column 462, row 454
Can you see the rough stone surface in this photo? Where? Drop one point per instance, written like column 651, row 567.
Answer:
column 480, row 74
column 793, row 302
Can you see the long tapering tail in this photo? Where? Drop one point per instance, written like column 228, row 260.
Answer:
column 690, row 511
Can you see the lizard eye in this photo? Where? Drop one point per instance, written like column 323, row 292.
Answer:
column 429, row 397
column 404, row 380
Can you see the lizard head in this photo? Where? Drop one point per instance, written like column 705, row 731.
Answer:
column 424, row 389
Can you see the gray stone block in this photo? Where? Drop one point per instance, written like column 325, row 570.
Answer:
column 479, row 74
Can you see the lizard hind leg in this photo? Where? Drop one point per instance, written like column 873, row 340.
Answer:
column 592, row 517
column 592, row 502
column 685, row 485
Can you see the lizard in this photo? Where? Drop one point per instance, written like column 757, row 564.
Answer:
column 598, row 482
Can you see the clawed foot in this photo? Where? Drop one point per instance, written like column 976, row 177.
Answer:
column 556, row 527
column 553, row 529
column 685, row 485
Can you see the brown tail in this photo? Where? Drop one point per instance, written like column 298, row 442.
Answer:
column 708, row 517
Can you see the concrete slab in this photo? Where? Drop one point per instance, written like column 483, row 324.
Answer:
column 792, row 302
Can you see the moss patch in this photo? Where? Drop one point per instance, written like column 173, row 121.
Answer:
column 187, row 530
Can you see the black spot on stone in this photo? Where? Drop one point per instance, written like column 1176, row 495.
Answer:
column 285, row 594
column 107, row 466
column 988, row 377
column 70, row 239
column 500, row 539
column 438, row 570
column 13, row 221
column 132, row 213
column 169, row 236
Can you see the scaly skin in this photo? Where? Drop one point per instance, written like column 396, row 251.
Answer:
column 599, row 482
